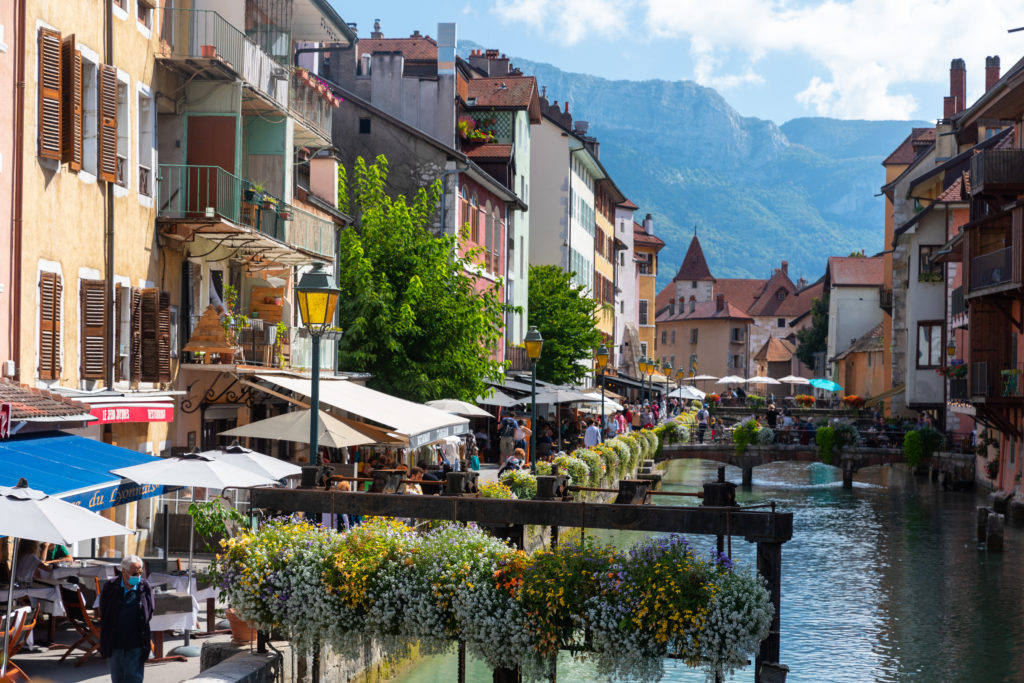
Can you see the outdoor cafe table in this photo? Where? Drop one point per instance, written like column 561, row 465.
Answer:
column 47, row 593
column 171, row 612
column 176, row 581
column 83, row 569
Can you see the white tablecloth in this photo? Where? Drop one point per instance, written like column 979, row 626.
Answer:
column 179, row 583
column 48, row 595
column 83, row 569
column 176, row 621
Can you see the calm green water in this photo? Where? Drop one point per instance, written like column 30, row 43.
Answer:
column 882, row 583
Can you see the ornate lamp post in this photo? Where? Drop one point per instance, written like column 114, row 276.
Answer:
column 668, row 378
column 534, row 343
column 602, row 363
column 642, row 367
column 318, row 299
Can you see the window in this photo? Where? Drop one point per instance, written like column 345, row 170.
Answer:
column 50, row 107
column 50, row 289
column 664, row 337
column 929, row 344
column 90, row 114
column 474, row 220
column 673, row 342
column 735, row 361
column 364, row 126
column 145, row 13
column 643, row 311
column 737, row 334
column 781, row 322
column 107, row 122
column 643, row 349
column 693, row 285
column 71, row 112
column 92, row 297
column 122, row 177
column 780, row 295
column 927, row 270
column 146, row 147
column 622, row 307
column 693, row 336
column 693, row 304
column 150, row 329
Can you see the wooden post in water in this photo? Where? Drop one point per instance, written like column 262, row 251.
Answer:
column 769, row 566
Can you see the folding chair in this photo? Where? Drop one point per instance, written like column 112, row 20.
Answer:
column 19, row 631
column 87, row 627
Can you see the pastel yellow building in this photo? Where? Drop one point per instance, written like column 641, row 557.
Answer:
column 646, row 246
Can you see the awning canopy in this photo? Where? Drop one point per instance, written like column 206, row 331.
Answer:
column 74, row 468
column 419, row 423
column 111, row 407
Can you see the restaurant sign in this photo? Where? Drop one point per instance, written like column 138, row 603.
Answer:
column 132, row 413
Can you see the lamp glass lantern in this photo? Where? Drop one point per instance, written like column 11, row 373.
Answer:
column 951, row 348
column 602, row 358
column 318, row 299
column 533, row 343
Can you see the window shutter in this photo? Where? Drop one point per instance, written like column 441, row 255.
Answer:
column 49, row 325
column 150, row 347
column 71, row 75
column 49, row 136
column 136, row 357
column 94, row 326
column 118, row 307
column 163, row 339
column 107, row 104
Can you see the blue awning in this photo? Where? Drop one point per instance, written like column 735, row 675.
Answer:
column 74, row 468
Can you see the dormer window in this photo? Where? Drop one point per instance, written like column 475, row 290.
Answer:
column 781, row 295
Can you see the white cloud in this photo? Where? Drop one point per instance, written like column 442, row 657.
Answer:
column 869, row 48
column 567, row 21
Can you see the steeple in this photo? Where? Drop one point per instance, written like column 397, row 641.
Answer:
column 694, row 266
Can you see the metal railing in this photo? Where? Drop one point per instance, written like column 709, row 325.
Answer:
column 310, row 232
column 994, row 168
column 885, row 299
column 993, row 268
column 204, row 34
column 958, row 389
column 121, row 178
column 209, row 191
column 145, row 188
column 309, row 106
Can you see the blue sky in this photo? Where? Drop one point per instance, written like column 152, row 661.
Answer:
column 774, row 59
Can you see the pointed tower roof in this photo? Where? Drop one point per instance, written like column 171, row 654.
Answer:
column 694, row 266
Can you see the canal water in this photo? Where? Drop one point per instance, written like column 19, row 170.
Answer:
column 884, row 583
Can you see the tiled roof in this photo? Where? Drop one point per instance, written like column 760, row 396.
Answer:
column 505, row 91
column 644, row 239
column 871, row 341
column 488, row 152
column 776, row 350
column 629, row 205
column 419, row 49
column 694, row 265
column 959, row 191
column 707, row 310
column 853, row 271
column 742, row 292
column 908, row 149
column 28, row 403
column 768, row 302
column 754, row 297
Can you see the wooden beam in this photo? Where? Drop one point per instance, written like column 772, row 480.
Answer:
column 754, row 525
column 278, row 394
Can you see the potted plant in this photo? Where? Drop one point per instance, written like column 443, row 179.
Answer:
column 253, row 194
column 208, row 51
column 285, row 214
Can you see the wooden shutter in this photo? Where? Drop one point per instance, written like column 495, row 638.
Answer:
column 107, row 104
column 136, row 352
column 49, row 133
column 94, row 328
column 71, row 113
column 163, row 338
column 150, row 348
column 50, row 289
column 118, row 307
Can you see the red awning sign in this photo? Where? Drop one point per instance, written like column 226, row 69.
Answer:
column 112, row 414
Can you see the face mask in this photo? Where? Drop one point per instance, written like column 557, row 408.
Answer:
column 133, row 581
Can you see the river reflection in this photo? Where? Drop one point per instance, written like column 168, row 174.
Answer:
column 882, row 583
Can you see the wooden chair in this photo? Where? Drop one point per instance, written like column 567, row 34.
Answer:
column 19, row 630
column 88, row 629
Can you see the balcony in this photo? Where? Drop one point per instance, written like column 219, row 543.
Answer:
column 311, row 233
column 121, row 176
column 958, row 302
column 989, row 380
column 997, row 171
column 958, row 389
column 517, row 358
column 309, row 104
column 145, row 188
column 203, row 42
column 991, row 269
column 885, row 299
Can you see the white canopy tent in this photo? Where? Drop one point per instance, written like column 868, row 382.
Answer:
column 419, row 423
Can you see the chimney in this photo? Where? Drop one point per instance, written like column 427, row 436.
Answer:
column 567, row 106
column 354, row 26
column 991, row 72
column 376, row 34
column 785, row 267
column 719, row 303
column 648, row 224
column 477, row 60
column 496, row 66
column 581, row 127
column 958, row 84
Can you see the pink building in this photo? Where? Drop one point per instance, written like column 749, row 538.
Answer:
column 10, row 54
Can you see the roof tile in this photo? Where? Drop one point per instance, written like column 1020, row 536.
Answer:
column 852, row 271
column 694, row 265
column 418, row 49
column 506, row 91
column 28, row 403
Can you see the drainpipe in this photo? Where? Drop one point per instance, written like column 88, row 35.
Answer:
column 18, row 189
column 444, row 194
column 108, row 237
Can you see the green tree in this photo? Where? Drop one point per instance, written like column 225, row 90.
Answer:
column 411, row 313
column 813, row 339
column 567, row 319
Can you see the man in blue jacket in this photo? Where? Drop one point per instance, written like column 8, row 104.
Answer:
column 126, row 607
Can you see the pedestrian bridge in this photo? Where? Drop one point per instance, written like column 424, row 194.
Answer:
column 954, row 469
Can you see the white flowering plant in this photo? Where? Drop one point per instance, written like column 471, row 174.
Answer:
column 579, row 473
column 522, row 484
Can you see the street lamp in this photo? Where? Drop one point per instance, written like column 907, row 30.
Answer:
column 668, row 378
column 602, row 363
column 642, row 367
column 318, row 298
column 534, row 343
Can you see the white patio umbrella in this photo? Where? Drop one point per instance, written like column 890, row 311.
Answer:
column 294, row 426
column 248, row 459
column 192, row 469
column 32, row 514
column 731, row 379
column 792, row 379
column 688, row 392
column 457, row 407
column 763, row 380
column 701, row 378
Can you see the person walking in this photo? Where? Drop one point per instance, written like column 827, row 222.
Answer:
column 592, row 434
column 506, row 438
column 126, row 607
column 702, row 424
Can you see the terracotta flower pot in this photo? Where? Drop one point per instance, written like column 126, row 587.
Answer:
column 209, row 51
column 241, row 631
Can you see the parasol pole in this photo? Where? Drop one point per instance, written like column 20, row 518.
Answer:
column 10, row 600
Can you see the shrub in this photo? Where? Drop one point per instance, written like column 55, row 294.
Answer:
column 496, row 489
column 579, row 473
column 913, row 448
column 744, row 435
column 594, row 465
column 932, row 440
column 846, row 435
column 522, row 484
column 804, row 400
column 754, row 402
column 825, row 438
column 765, row 436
